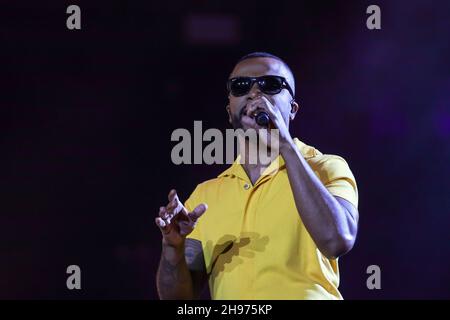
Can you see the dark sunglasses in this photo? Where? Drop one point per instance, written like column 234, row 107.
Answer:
column 240, row 86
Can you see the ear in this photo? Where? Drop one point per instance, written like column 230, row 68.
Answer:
column 229, row 114
column 294, row 109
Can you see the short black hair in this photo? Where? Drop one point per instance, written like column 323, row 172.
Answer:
column 262, row 54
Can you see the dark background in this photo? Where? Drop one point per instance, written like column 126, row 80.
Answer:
column 86, row 119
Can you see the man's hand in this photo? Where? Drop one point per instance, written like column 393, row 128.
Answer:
column 262, row 103
column 175, row 222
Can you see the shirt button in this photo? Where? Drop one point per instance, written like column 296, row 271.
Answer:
column 246, row 186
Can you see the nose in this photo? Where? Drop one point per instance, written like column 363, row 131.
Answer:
column 254, row 92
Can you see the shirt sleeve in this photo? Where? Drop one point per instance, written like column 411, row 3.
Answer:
column 337, row 177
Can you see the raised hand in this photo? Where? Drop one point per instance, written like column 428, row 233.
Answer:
column 175, row 222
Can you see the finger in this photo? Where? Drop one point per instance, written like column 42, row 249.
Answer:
column 175, row 206
column 166, row 215
column 173, row 198
column 257, row 106
column 251, row 108
column 162, row 225
column 163, row 213
column 198, row 211
column 172, row 194
column 267, row 105
column 171, row 206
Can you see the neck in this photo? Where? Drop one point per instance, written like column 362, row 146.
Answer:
column 252, row 163
column 254, row 171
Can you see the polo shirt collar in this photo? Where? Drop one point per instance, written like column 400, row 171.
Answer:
column 237, row 170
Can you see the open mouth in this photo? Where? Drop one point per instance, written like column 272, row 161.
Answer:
column 244, row 112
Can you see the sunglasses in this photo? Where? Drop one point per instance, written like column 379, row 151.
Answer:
column 271, row 85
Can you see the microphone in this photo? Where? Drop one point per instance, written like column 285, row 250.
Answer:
column 262, row 118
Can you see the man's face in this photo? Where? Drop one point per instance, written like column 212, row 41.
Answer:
column 256, row 67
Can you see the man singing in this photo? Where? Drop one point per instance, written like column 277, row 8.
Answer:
column 262, row 230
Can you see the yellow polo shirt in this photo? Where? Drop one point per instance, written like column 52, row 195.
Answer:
column 254, row 242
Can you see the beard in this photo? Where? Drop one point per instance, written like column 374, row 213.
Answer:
column 236, row 121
